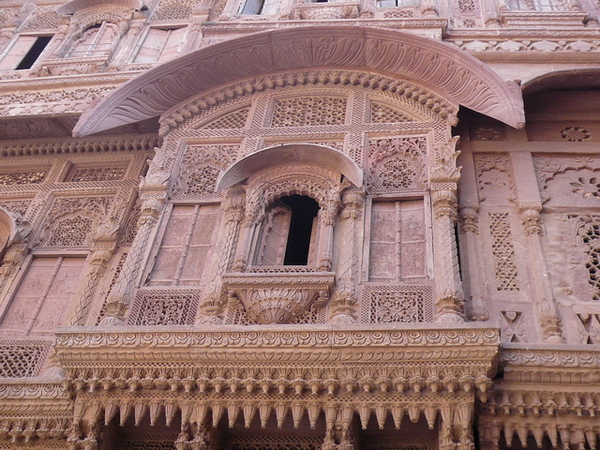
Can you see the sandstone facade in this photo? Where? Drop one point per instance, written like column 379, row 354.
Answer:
column 269, row 224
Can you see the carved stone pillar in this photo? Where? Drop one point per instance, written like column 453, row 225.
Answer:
column 226, row 242
column 347, row 272
column 153, row 196
column 328, row 219
column 545, row 307
column 444, row 178
column 105, row 243
column 469, row 230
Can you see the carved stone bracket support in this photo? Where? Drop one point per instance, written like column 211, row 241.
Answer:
column 153, row 196
column 278, row 297
column 545, row 306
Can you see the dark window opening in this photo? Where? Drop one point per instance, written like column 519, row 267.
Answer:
column 304, row 210
column 34, row 52
column 253, row 7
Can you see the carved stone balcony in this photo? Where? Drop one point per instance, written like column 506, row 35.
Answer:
column 278, row 297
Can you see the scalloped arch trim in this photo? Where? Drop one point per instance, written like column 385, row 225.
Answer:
column 311, row 154
column 451, row 73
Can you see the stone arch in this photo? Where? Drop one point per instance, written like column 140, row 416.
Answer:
column 439, row 67
column 319, row 155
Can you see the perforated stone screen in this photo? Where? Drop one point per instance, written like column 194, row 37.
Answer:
column 397, row 304
column 164, row 307
column 19, row 359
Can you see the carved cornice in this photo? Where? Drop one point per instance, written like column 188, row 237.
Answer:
column 434, row 65
column 144, row 142
column 314, row 335
column 35, row 84
column 544, row 357
column 434, row 24
column 374, row 358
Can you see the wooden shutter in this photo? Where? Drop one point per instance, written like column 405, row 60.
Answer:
column 44, row 295
column 153, row 44
column 17, row 52
column 275, row 235
column 173, row 44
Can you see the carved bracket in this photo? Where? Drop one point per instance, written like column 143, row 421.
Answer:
column 278, row 297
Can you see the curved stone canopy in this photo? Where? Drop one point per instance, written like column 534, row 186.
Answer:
column 564, row 80
column 451, row 73
column 311, row 154
column 75, row 6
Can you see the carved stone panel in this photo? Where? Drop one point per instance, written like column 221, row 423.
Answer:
column 43, row 296
column 22, row 358
column 569, row 181
column 397, row 164
column 302, row 111
column 397, row 304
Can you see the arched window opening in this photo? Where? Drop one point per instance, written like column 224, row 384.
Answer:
column 289, row 232
column 96, row 41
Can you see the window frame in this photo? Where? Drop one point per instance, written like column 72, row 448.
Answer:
column 7, row 51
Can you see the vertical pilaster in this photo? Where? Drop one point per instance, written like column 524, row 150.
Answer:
column 347, row 270
column 153, row 196
column 444, row 178
column 530, row 206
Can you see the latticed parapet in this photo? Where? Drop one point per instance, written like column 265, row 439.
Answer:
column 267, row 374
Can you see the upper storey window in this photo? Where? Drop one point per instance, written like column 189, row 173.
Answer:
column 24, row 52
column 259, row 7
column 96, row 41
column 289, row 232
column 396, row 3
column 538, row 5
column 160, row 45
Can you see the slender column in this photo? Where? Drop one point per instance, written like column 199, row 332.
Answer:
column 328, row 219
column 153, row 195
column 343, row 305
column 211, row 305
column 444, row 178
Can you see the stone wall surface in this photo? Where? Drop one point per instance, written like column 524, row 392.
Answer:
column 261, row 224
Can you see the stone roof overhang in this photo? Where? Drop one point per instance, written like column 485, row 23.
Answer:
column 75, row 6
column 451, row 73
column 319, row 155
